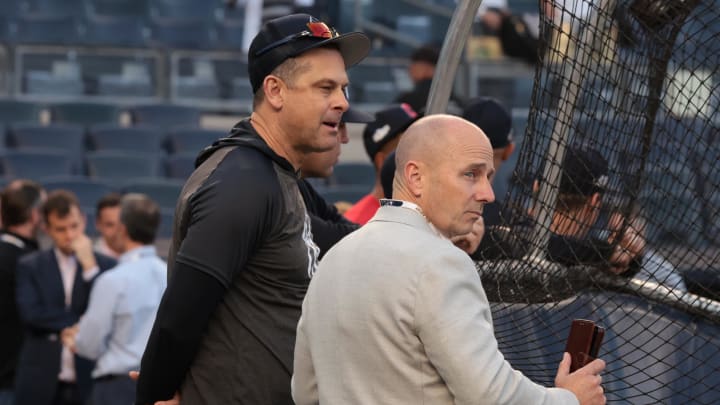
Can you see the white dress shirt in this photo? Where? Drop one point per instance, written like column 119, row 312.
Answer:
column 68, row 268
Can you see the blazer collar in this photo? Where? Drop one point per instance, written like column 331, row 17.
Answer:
column 407, row 216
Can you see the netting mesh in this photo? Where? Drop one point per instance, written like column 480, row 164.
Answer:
column 637, row 82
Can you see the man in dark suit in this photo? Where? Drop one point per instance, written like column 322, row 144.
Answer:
column 20, row 213
column 53, row 287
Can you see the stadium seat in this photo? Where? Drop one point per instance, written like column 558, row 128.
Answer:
column 180, row 166
column 133, row 139
column 192, row 140
column 66, row 138
column 120, row 167
column 134, row 80
column 353, row 174
column 60, row 8
column 183, row 34
column 416, row 27
column 88, row 191
column 117, row 31
column 15, row 111
column 351, row 194
column 673, row 220
column 166, row 224
column 84, row 113
column 523, row 92
column 64, row 79
column 134, row 9
column 13, row 8
column 185, row 9
column 36, row 164
column 47, row 29
column 230, row 34
column 379, row 92
column 164, row 192
column 165, row 116
column 241, row 89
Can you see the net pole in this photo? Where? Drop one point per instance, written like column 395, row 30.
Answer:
column 589, row 43
column 452, row 49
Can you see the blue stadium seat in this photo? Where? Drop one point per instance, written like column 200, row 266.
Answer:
column 673, row 220
column 351, row 194
column 166, row 224
column 523, row 92
column 121, row 167
column 192, row 140
column 13, row 8
column 64, row 79
column 84, row 113
column 134, row 139
column 88, row 191
column 134, row 9
column 230, row 34
column 66, row 138
column 134, row 80
column 59, row 8
column 353, row 174
column 36, row 163
column 180, row 166
column 185, row 9
column 165, row 116
column 15, row 111
column 183, row 34
column 47, row 29
column 116, row 31
column 163, row 191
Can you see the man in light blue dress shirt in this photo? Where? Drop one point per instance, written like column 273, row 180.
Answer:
column 123, row 304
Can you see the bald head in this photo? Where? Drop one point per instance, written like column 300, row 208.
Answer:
column 444, row 165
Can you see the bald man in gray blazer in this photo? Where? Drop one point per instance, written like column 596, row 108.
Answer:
column 396, row 314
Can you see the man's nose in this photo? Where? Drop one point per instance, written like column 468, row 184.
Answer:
column 340, row 100
column 485, row 192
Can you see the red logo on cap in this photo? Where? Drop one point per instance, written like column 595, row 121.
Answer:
column 408, row 110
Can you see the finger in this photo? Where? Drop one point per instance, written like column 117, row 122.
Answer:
column 595, row 367
column 134, row 375
column 564, row 367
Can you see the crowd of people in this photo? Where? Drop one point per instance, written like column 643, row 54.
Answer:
column 395, row 312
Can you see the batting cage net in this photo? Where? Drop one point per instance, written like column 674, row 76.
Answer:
column 612, row 215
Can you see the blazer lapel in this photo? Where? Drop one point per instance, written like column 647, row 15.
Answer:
column 51, row 278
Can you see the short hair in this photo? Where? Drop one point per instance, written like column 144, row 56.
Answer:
column 427, row 53
column 18, row 200
column 109, row 200
column 59, row 202
column 141, row 217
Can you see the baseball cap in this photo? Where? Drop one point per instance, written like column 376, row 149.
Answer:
column 427, row 53
column 285, row 37
column 492, row 118
column 389, row 123
column 585, row 172
column 356, row 116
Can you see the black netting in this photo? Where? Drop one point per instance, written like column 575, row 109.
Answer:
column 633, row 247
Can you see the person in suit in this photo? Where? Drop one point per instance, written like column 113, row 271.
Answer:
column 409, row 321
column 53, row 287
column 20, row 214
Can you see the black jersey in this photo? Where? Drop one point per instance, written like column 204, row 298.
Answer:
column 241, row 219
column 328, row 225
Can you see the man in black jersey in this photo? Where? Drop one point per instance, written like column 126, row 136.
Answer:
column 328, row 225
column 242, row 252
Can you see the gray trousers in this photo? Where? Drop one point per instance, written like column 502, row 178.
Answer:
column 119, row 390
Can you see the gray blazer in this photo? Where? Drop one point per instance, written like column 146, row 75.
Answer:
column 396, row 314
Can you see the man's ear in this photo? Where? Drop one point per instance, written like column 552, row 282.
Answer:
column 414, row 178
column 273, row 88
column 508, row 151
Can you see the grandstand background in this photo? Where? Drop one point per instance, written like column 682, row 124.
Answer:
column 76, row 76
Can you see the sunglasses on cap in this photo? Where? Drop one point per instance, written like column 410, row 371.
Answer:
column 315, row 30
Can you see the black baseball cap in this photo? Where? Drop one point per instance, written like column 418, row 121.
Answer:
column 356, row 116
column 493, row 119
column 388, row 124
column 286, row 37
column 584, row 172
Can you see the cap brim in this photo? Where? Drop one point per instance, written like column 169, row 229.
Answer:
column 356, row 116
column 353, row 46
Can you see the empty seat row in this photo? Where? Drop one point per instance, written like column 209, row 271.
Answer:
column 74, row 141
column 165, row 116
